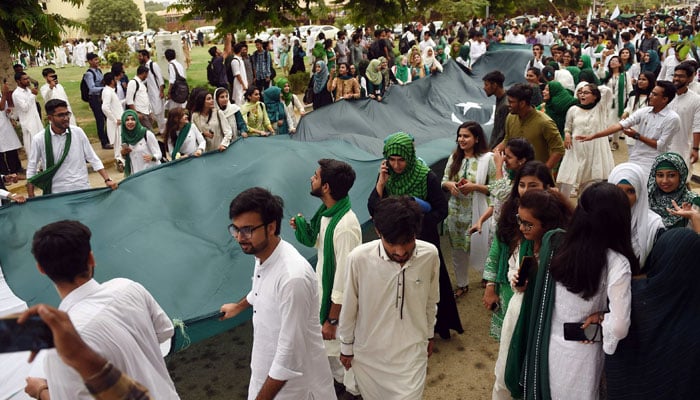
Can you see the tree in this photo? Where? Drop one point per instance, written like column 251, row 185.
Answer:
column 112, row 16
column 24, row 25
column 153, row 6
column 154, row 21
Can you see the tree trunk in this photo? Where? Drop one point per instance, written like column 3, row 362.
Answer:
column 6, row 70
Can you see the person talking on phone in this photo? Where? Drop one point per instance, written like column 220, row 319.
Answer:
column 54, row 90
column 582, row 281
column 24, row 99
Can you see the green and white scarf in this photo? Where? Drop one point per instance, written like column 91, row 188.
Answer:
column 44, row 179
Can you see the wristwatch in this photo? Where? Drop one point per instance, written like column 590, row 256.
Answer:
column 636, row 136
column 332, row 321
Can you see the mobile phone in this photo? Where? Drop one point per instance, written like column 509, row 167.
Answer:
column 573, row 331
column 495, row 306
column 527, row 264
column 32, row 335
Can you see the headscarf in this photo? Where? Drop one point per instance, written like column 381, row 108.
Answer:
column 287, row 96
column 560, row 100
column 320, row 78
column 575, row 72
column 402, row 73
column 645, row 222
column 275, row 109
column 653, row 63
column 440, row 57
column 413, row 180
column 464, row 52
column 131, row 136
column 659, row 201
column 587, row 73
column 373, row 74
column 454, row 53
column 428, row 60
column 229, row 111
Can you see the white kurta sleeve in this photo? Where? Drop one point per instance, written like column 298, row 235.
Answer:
column 162, row 324
column 226, row 130
column 433, row 296
column 35, row 155
column 152, row 144
column 617, row 321
column 348, row 314
column 88, row 151
column 343, row 243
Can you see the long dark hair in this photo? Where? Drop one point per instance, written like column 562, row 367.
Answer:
column 601, row 221
column 521, row 148
column 550, row 207
column 172, row 125
column 198, row 101
column 507, row 229
column 480, row 145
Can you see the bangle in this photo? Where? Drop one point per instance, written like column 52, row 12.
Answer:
column 41, row 389
column 491, row 284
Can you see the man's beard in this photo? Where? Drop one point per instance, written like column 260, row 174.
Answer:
column 316, row 192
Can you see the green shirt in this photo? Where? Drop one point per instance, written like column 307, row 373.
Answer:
column 539, row 130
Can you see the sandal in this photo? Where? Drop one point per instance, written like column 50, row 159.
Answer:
column 461, row 291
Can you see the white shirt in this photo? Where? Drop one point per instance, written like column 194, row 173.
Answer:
column 58, row 92
column 25, row 109
column 425, row 44
column 155, row 81
column 138, row 95
column 515, row 38
column 193, row 142
column 664, row 127
column 346, row 236
column 476, row 50
column 687, row 106
column 238, row 68
column 388, row 315
column 124, row 323
column 146, row 146
column 72, row 175
column 8, row 137
column 111, row 105
column 287, row 341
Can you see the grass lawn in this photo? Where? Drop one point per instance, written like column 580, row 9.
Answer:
column 70, row 77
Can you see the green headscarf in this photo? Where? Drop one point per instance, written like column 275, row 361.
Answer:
column 307, row 234
column 373, row 74
column 287, row 96
column 454, row 53
column 560, row 100
column 413, row 180
column 659, row 201
column 402, row 72
column 653, row 63
column 587, row 74
column 575, row 72
column 464, row 52
column 131, row 136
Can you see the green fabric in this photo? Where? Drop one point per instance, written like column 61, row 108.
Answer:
column 412, row 181
column 131, row 136
column 659, row 201
column 373, row 73
column 44, row 179
column 464, row 52
column 307, row 234
column 496, row 270
column 575, row 72
column 653, row 63
column 621, row 86
column 402, row 70
column 181, row 136
column 560, row 100
column 454, row 53
column 287, row 96
column 587, row 74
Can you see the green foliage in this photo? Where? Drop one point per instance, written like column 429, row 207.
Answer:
column 456, row 10
column 113, row 16
column 154, row 21
column 251, row 15
column 23, row 24
column 119, row 50
column 298, row 82
column 153, row 6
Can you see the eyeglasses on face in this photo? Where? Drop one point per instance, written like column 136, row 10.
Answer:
column 527, row 226
column 244, row 232
column 63, row 115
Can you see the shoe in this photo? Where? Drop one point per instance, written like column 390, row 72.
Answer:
column 461, row 291
column 107, row 146
column 348, row 396
column 339, row 388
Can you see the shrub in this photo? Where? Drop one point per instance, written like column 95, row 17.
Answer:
column 119, row 50
column 298, row 82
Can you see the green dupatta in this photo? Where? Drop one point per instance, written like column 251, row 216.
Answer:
column 307, row 233
column 131, row 137
column 44, row 179
column 181, row 136
column 527, row 367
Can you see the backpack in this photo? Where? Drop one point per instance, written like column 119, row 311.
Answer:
column 179, row 90
column 228, row 68
column 211, row 74
column 404, row 46
column 84, row 89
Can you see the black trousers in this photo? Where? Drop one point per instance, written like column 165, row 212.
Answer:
column 96, row 107
column 9, row 162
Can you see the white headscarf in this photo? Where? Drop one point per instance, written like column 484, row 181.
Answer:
column 229, row 112
column 645, row 223
column 429, row 60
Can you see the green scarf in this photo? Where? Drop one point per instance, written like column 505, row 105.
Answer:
column 181, row 136
column 620, row 100
column 131, row 137
column 281, row 82
column 413, row 180
column 558, row 104
column 527, row 367
column 307, row 233
column 44, row 179
column 659, row 201
column 402, row 70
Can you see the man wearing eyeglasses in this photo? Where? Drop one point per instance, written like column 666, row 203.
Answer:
column 61, row 150
column 288, row 360
column 54, row 90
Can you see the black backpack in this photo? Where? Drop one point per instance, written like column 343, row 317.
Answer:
column 84, row 89
column 179, row 90
column 229, row 70
column 404, row 47
column 211, row 74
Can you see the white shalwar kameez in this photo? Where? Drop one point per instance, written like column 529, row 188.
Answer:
column 8, row 137
column 287, row 341
column 113, row 109
column 388, row 316
column 57, row 92
column 29, row 119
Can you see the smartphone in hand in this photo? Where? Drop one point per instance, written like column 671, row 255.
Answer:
column 527, row 264
column 32, row 335
column 592, row 333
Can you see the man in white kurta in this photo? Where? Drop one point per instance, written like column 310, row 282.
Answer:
column 24, row 100
column 72, row 174
column 331, row 183
column 288, row 361
column 687, row 105
column 54, row 90
column 119, row 318
column 156, row 88
column 389, row 307
column 240, row 78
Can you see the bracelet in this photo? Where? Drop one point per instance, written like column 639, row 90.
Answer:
column 41, row 389
column 491, row 284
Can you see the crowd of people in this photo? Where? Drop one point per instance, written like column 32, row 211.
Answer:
column 561, row 280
